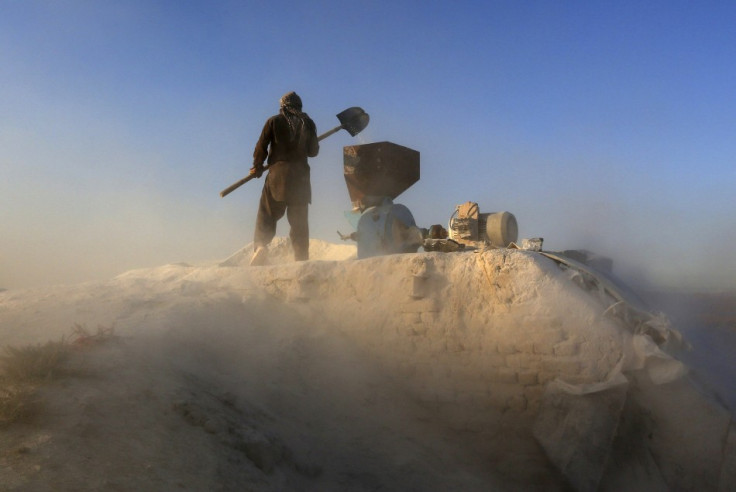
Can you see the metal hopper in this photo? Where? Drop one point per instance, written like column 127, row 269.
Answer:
column 377, row 171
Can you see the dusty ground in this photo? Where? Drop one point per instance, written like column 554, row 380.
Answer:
column 400, row 373
column 150, row 414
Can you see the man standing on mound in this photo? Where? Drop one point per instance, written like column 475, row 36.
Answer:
column 287, row 140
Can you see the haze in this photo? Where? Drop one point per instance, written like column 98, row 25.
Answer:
column 605, row 126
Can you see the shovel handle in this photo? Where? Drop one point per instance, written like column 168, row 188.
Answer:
column 238, row 184
column 235, row 186
column 327, row 134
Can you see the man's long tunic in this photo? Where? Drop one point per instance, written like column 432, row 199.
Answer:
column 287, row 188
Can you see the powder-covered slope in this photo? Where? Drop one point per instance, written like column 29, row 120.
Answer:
column 469, row 371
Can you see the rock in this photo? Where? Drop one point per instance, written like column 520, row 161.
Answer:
column 263, row 452
column 214, row 425
column 576, row 431
column 690, row 436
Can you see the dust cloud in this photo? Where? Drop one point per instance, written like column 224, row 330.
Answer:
column 409, row 372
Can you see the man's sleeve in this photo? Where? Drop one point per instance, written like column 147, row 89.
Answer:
column 313, row 144
column 261, row 151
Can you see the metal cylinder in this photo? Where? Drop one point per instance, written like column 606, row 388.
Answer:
column 499, row 228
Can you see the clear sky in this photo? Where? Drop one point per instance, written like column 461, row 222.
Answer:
column 601, row 125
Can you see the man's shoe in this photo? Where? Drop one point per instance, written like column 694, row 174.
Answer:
column 260, row 256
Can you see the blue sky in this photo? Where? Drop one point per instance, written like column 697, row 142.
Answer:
column 601, row 125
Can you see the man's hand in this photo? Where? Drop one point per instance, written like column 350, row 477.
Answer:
column 257, row 171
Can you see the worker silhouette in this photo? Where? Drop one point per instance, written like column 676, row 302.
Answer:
column 287, row 140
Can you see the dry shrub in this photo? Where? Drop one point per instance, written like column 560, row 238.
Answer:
column 33, row 363
column 14, row 402
column 24, row 369
column 82, row 337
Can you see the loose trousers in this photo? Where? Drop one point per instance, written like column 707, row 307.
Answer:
column 270, row 211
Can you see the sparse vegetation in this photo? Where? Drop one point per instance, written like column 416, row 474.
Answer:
column 24, row 369
column 81, row 337
column 13, row 400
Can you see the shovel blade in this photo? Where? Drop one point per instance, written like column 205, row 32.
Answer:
column 354, row 120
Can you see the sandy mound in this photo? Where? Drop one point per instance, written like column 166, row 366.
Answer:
column 280, row 252
column 468, row 371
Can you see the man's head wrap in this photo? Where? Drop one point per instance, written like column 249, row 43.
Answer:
column 291, row 100
column 291, row 108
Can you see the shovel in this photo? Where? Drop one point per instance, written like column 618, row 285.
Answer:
column 354, row 120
